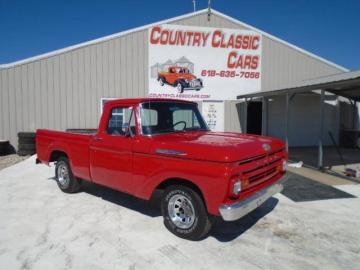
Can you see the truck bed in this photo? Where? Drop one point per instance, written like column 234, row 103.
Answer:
column 76, row 145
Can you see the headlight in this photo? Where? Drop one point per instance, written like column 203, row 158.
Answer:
column 235, row 187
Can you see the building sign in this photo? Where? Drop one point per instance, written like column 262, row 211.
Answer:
column 213, row 113
column 202, row 63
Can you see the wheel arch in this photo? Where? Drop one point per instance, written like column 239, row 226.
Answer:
column 56, row 154
column 182, row 182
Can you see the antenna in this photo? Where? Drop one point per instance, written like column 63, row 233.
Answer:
column 194, row 3
column 209, row 10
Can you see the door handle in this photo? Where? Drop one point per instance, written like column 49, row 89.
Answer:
column 98, row 139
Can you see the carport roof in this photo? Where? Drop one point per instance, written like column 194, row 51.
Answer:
column 346, row 84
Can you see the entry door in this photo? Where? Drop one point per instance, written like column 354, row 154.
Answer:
column 254, row 118
column 111, row 151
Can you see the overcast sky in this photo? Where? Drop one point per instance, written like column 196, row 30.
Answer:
column 330, row 29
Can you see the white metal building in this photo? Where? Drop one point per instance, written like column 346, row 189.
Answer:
column 63, row 89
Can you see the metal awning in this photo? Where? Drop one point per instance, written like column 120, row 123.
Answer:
column 345, row 84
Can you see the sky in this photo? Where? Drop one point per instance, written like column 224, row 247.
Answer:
column 330, row 29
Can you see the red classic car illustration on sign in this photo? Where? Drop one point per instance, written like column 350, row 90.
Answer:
column 181, row 78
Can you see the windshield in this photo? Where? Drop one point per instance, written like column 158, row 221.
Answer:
column 158, row 117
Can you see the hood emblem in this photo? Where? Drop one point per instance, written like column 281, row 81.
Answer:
column 266, row 147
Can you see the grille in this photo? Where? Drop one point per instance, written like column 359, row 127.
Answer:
column 265, row 175
column 261, row 168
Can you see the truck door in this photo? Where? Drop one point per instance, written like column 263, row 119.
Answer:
column 111, row 157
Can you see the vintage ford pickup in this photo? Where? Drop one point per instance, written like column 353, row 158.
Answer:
column 181, row 78
column 144, row 145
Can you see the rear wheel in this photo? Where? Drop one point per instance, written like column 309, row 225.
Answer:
column 65, row 179
column 179, row 88
column 185, row 213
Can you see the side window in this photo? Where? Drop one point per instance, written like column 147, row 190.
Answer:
column 149, row 120
column 121, row 119
column 186, row 116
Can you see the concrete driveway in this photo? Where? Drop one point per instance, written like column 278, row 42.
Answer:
column 43, row 228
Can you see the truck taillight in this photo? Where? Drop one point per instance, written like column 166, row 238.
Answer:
column 235, row 187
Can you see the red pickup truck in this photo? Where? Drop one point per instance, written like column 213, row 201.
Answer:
column 143, row 145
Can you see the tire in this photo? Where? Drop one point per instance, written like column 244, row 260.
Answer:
column 27, row 146
column 23, row 153
column 65, row 179
column 4, row 146
column 198, row 223
column 161, row 81
column 180, row 88
column 27, row 135
column 26, row 140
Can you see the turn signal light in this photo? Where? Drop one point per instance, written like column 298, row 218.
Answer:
column 282, row 166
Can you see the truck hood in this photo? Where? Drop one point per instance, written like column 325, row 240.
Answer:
column 213, row 146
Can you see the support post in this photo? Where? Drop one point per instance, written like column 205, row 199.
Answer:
column 245, row 115
column 321, row 131
column 287, row 116
column 354, row 113
column 264, row 117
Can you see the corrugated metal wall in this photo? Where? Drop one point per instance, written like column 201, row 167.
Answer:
column 64, row 91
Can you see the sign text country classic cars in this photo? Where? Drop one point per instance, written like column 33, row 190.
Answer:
column 202, row 63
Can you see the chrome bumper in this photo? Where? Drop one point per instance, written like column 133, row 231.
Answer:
column 231, row 212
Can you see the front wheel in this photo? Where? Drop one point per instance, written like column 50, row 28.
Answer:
column 65, row 179
column 180, row 88
column 184, row 213
column 161, row 81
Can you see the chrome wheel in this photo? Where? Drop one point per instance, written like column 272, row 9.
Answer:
column 181, row 211
column 63, row 174
column 179, row 88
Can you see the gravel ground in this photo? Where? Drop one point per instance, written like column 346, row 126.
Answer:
column 9, row 160
column 44, row 228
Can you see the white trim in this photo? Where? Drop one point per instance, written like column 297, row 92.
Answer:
column 116, row 35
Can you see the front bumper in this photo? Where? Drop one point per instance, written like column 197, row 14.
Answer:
column 235, row 211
